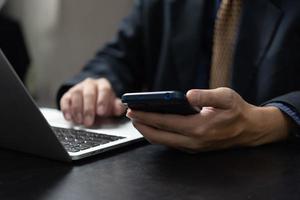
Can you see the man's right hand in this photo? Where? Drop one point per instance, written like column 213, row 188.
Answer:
column 88, row 99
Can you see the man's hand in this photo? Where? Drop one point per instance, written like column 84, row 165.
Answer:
column 88, row 99
column 225, row 121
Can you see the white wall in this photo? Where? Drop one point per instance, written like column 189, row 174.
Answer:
column 62, row 35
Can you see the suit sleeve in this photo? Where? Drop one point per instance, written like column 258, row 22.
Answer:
column 120, row 61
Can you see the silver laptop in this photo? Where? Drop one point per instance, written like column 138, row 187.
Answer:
column 44, row 132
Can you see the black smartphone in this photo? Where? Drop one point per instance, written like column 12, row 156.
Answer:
column 168, row 102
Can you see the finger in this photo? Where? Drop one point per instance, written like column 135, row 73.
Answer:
column 89, row 104
column 77, row 106
column 104, row 102
column 157, row 136
column 119, row 108
column 175, row 123
column 220, row 145
column 221, row 98
column 65, row 106
column 180, row 142
column 104, row 98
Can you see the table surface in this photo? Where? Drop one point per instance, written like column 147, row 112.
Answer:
column 144, row 171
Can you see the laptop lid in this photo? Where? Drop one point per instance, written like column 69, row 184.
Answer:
column 23, row 126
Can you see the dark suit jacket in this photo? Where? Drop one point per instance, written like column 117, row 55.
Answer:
column 12, row 43
column 159, row 47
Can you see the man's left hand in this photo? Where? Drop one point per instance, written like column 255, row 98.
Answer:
column 225, row 121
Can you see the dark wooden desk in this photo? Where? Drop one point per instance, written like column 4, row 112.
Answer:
column 154, row 172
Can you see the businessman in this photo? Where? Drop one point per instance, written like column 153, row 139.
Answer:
column 241, row 55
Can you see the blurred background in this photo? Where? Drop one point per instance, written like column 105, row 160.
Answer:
column 60, row 36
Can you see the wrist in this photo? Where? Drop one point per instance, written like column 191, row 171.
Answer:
column 269, row 124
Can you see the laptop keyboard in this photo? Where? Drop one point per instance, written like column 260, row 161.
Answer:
column 77, row 140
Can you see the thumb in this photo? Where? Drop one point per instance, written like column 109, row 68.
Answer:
column 119, row 107
column 221, row 98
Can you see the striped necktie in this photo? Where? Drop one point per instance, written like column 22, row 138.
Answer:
column 224, row 40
